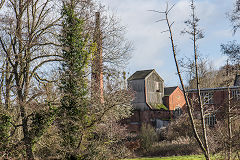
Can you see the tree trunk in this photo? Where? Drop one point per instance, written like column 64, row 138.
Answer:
column 204, row 132
column 189, row 107
column 8, row 82
column 27, row 139
column 229, row 126
column 22, row 80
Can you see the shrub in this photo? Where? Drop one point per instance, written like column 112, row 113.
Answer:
column 147, row 136
column 166, row 148
column 219, row 140
column 176, row 139
column 180, row 127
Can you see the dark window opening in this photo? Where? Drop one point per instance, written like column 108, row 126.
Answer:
column 210, row 120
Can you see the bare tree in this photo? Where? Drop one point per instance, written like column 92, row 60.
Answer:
column 231, row 115
column 116, row 49
column 195, row 35
column 2, row 3
column 225, row 135
column 208, row 76
column 29, row 48
column 231, row 49
column 28, row 42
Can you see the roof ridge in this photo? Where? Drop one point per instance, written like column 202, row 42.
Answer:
column 141, row 74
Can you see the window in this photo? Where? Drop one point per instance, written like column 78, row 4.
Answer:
column 178, row 111
column 158, row 86
column 207, row 97
column 236, row 94
column 210, row 120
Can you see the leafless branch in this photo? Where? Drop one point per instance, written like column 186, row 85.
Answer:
column 189, row 106
column 42, row 63
column 170, row 9
column 45, row 56
column 15, row 127
column 160, row 20
column 39, row 79
column 2, row 3
column 157, row 11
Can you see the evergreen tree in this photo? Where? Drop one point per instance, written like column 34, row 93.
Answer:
column 77, row 51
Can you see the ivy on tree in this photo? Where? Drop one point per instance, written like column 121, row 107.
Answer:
column 77, row 50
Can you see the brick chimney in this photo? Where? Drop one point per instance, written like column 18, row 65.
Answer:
column 97, row 64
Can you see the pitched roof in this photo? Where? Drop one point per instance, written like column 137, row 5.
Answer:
column 237, row 80
column 169, row 90
column 140, row 74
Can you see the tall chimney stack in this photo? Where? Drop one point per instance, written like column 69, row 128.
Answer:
column 97, row 63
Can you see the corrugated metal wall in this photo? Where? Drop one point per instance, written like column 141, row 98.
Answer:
column 138, row 87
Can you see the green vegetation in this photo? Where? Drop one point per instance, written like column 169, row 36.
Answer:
column 160, row 106
column 189, row 157
column 192, row 157
column 147, row 137
column 76, row 55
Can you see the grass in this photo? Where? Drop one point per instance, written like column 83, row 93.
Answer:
column 191, row 157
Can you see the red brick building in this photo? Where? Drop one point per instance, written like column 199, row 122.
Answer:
column 173, row 98
column 153, row 104
column 156, row 105
column 215, row 101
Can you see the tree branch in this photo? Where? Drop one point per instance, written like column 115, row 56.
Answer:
column 45, row 56
column 5, row 50
column 15, row 127
column 38, row 78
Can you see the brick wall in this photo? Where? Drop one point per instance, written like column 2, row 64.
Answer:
column 176, row 99
column 219, row 105
column 139, row 117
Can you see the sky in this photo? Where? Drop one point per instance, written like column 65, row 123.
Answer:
column 152, row 47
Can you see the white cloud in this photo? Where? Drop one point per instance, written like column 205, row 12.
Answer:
column 153, row 49
column 218, row 62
